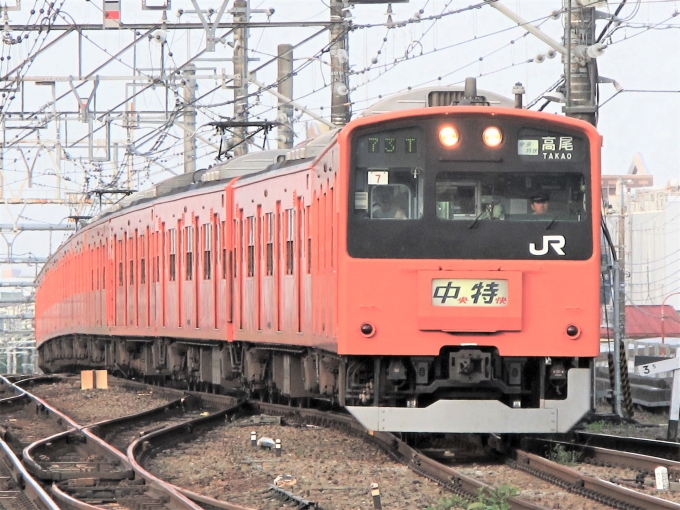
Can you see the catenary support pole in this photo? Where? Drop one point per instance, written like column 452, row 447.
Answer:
column 617, row 343
column 580, row 73
column 675, row 404
column 626, row 394
column 340, row 111
column 285, row 133
column 241, row 15
column 189, row 118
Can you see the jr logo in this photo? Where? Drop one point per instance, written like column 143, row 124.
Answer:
column 557, row 243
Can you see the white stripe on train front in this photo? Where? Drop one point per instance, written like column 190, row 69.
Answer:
column 484, row 416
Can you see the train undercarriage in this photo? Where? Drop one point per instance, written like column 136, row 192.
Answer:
column 473, row 378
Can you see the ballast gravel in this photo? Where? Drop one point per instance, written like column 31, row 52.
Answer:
column 91, row 406
column 330, row 468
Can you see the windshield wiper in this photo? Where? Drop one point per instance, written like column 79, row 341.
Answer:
column 554, row 220
column 474, row 223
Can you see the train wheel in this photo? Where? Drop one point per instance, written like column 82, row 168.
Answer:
column 249, row 390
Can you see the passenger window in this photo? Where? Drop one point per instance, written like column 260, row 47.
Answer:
column 392, row 193
column 457, row 200
column 392, row 201
column 553, row 197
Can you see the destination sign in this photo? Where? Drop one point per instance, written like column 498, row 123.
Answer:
column 536, row 146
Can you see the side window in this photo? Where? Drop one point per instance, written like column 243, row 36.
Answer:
column 142, row 261
column 189, row 243
column 120, row 263
column 290, row 243
column 158, row 257
column 270, row 243
column 251, row 245
column 172, row 241
column 224, row 249
column 207, row 250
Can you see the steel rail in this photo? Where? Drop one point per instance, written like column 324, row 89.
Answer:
column 60, row 419
column 107, row 428
column 588, row 486
column 603, row 456
column 662, row 449
column 141, row 449
column 29, row 486
column 71, row 502
column 173, row 499
column 445, row 476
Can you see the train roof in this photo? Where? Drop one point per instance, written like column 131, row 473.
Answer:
column 427, row 97
column 257, row 162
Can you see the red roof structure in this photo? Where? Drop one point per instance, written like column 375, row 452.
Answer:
column 644, row 321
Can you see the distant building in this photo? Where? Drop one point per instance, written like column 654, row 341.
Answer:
column 651, row 234
column 648, row 321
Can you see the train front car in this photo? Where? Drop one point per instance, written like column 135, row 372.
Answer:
column 469, row 297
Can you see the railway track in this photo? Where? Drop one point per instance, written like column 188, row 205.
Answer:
column 19, row 491
column 653, row 447
column 399, row 451
column 104, row 464
column 85, row 472
column 605, row 492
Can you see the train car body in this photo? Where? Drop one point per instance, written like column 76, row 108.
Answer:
column 399, row 266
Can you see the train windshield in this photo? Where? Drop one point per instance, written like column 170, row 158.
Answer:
column 411, row 198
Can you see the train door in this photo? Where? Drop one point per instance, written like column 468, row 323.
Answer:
column 330, row 328
column 197, row 273
column 187, row 297
column 249, row 295
column 239, row 268
column 109, row 279
column 278, row 273
column 142, row 286
column 218, row 303
column 307, row 279
column 299, row 222
column 268, row 295
column 148, row 275
column 258, row 268
column 94, row 300
column 94, row 291
column 181, row 263
column 132, row 319
column 321, row 273
column 119, row 303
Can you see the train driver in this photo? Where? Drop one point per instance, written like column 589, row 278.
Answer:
column 540, row 203
column 387, row 205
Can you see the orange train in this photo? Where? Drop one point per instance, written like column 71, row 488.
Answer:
column 430, row 268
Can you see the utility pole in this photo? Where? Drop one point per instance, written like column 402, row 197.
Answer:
column 241, row 12
column 189, row 118
column 622, row 253
column 580, row 70
column 285, row 133
column 626, row 394
column 622, row 397
column 340, row 111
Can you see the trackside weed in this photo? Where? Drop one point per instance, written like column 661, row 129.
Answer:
column 563, row 456
column 487, row 499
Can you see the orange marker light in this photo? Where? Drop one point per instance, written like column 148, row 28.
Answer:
column 448, row 136
column 492, row 136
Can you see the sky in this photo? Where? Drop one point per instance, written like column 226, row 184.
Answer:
column 641, row 55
